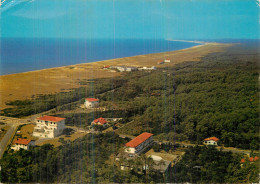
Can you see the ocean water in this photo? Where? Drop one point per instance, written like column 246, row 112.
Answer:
column 22, row 55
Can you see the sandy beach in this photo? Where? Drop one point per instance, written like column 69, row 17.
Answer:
column 25, row 85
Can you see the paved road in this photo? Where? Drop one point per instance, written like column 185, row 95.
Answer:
column 8, row 136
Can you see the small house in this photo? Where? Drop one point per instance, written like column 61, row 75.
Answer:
column 211, row 141
column 91, row 102
column 167, row 61
column 160, row 62
column 99, row 121
column 22, row 144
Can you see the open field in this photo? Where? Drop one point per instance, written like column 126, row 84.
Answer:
column 56, row 142
column 25, row 85
column 26, row 132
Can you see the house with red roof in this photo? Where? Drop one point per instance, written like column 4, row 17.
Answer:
column 22, row 144
column 91, row 102
column 49, row 126
column 99, row 121
column 211, row 141
column 139, row 144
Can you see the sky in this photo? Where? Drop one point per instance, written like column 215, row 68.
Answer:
column 130, row 19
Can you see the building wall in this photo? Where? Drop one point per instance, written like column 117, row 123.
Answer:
column 211, row 142
column 48, row 129
column 17, row 147
column 91, row 104
column 141, row 147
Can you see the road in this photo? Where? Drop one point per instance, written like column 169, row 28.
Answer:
column 6, row 139
column 13, row 123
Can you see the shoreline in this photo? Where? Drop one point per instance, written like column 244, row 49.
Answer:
column 25, row 85
column 200, row 44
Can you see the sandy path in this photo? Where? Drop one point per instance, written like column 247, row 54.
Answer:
column 25, row 85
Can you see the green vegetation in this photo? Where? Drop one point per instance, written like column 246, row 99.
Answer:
column 208, row 165
column 188, row 102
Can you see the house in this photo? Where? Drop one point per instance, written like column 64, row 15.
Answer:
column 167, row 61
column 160, row 62
column 99, row 121
column 106, row 67
column 211, row 141
column 91, row 102
column 22, row 144
column 139, row 144
column 49, row 127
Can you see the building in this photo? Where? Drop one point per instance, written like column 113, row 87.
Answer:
column 22, row 144
column 126, row 68
column 49, row 127
column 139, row 144
column 147, row 68
column 160, row 62
column 91, row 102
column 167, row 61
column 99, row 121
column 211, row 141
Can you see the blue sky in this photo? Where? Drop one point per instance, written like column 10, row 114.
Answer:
column 167, row 19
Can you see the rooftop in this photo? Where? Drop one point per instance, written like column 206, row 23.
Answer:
column 22, row 141
column 92, row 99
column 100, row 120
column 138, row 140
column 211, row 139
column 51, row 118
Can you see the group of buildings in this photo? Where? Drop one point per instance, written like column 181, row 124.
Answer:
column 129, row 68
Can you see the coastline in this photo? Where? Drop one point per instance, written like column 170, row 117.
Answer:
column 52, row 80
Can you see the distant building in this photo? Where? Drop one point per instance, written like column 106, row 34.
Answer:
column 106, row 67
column 167, row 61
column 160, row 62
column 49, row 127
column 211, row 141
column 139, row 144
column 99, row 121
column 126, row 68
column 147, row 68
column 91, row 102
column 22, row 144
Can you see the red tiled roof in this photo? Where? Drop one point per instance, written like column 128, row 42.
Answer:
column 243, row 160
column 212, row 138
column 256, row 158
column 22, row 141
column 92, row 99
column 100, row 120
column 50, row 118
column 138, row 140
column 251, row 159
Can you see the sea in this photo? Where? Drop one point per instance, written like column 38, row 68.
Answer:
column 21, row 55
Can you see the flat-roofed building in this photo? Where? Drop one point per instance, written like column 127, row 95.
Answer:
column 49, row 126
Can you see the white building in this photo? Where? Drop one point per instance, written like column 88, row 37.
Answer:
column 22, row 144
column 91, row 102
column 167, row 61
column 139, row 144
column 126, row 68
column 211, row 141
column 147, row 68
column 49, row 127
